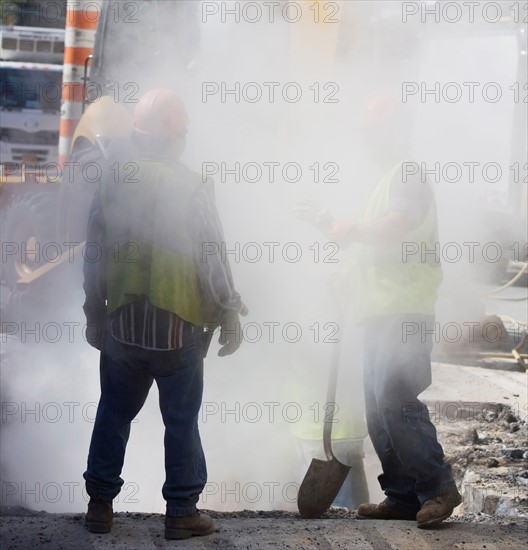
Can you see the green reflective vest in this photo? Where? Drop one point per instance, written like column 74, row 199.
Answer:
column 309, row 394
column 150, row 251
column 398, row 277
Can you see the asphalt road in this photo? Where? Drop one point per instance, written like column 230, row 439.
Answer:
column 145, row 532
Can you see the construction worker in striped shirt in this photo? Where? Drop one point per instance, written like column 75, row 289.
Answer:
column 148, row 298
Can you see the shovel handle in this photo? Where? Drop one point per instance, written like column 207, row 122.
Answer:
column 330, row 400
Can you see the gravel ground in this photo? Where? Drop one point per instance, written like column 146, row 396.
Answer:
column 485, row 444
column 22, row 530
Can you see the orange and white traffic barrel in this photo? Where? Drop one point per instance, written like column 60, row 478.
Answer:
column 82, row 17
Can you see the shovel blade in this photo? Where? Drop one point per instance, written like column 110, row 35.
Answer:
column 320, row 487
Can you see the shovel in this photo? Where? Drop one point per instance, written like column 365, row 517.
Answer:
column 324, row 477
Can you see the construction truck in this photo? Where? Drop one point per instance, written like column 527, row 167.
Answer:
column 30, row 101
column 45, row 195
column 30, row 107
column 31, row 75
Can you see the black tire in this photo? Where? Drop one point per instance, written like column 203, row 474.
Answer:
column 29, row 225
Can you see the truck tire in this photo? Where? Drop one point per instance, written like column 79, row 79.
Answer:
column 28, row 235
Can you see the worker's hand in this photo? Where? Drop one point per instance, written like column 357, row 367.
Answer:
column 231, row 331
column 95, row 329
column 313, row 213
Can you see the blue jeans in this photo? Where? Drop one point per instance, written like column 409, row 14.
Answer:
column 127, row 373
column 397, row 369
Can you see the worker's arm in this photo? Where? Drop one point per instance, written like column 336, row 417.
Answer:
column 408, row 204
column 95, row 275
column 214, row 272
column 390, row 228
column 210, row 259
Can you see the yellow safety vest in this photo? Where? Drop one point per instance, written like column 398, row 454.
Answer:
column 308, row 391
column 150, row 251
column 400, row 277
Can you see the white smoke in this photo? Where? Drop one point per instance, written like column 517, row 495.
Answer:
column 249, row 406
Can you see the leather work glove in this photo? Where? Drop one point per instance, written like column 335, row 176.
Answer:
column 95, row 328
column 231, row 331
column 313, row 213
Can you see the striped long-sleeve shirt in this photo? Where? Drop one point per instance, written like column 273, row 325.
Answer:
column 142, row 324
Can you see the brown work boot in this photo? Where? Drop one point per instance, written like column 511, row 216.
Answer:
column 384, row 510
column 99, row 517
column 438, row 508
column 184, row 527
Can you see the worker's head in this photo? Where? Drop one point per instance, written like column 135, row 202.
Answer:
column 377, row 109
column 160, row 122
column 385, row 126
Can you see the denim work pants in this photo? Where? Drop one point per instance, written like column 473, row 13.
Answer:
column 127, row 373
column 397, row 368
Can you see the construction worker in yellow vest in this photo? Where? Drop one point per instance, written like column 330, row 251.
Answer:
column 394, row 294
column 158, row 281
